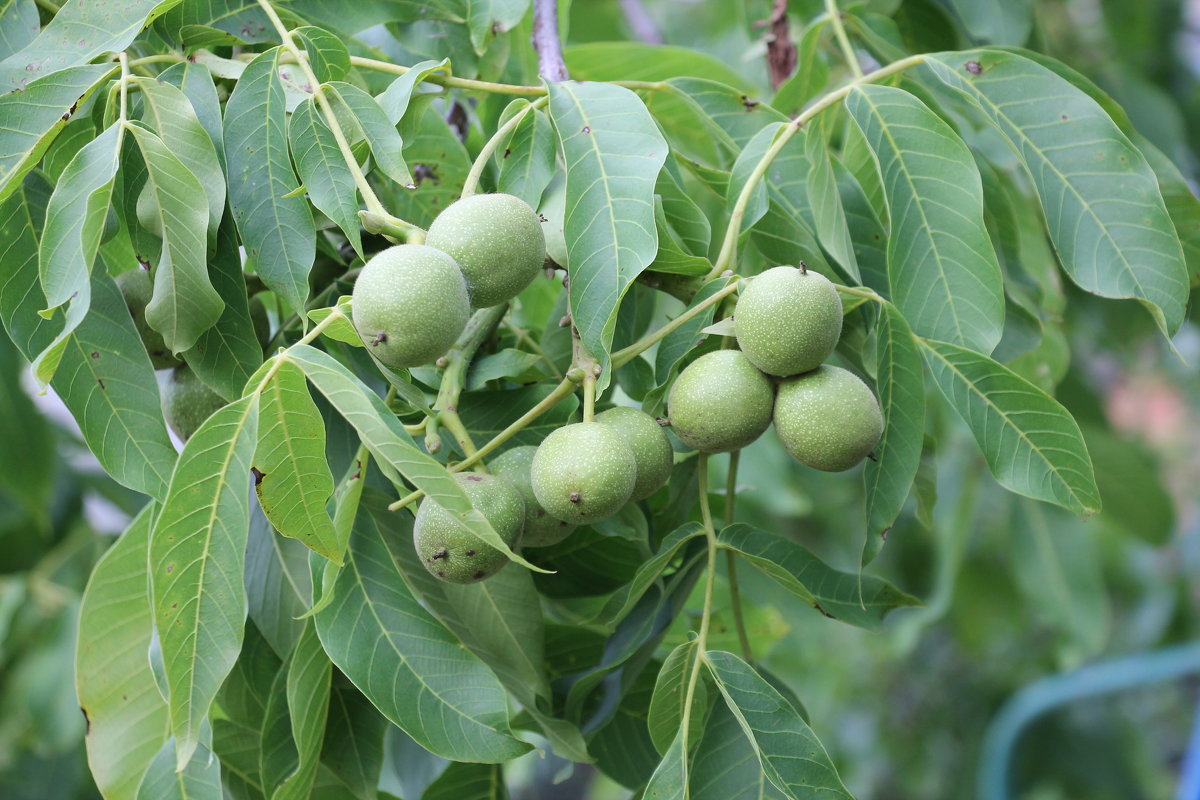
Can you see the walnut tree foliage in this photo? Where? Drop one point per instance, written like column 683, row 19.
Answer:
column 264, row 620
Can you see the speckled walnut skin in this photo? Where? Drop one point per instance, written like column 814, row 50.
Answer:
column 449, row 551
column 497, row 239
column 410, row 304
column 137, row 288
column 788, row 320
column 187, row 402
column 541, row 529
column 583, row 473
column 720, row 402
column 649, row 443
column 827, row 419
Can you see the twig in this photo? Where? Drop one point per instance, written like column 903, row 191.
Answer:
column 781, row 51
column 546, row 42
column 466, row 84
column 641, row 24
column 735, row 594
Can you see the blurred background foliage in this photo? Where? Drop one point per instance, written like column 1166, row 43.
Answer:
column 1013, row 590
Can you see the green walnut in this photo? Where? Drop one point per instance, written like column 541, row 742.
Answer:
column 720, row 402
column 541, row 529
column 827, row 419
column 449, row 551
column 788, row 320
column 583, row 473
column 497, row 239
column 410, row 304
column 649, row 443
column 137, row 287
column 187, row 402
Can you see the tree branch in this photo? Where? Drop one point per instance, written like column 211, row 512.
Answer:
column 641, row 24
column 781, row 51
column 546, row 42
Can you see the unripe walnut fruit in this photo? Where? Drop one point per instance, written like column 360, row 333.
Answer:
column 788, row 320
column 448, row 550
column 649, row 443
column 583, row 473
column 187, row 402
column 410, row 304
column 827, row 419
column 497, row 239
column 137, row 288
column 720, row 402
column 541, row 529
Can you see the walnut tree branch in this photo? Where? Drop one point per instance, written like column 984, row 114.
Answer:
column 641, row 24
column 546, row 41
column 781, row 51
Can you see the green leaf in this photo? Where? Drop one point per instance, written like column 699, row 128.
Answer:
column 33, row 117
column 1031, row 443
column 487, row 413
column 468, row 782
column 509, row 363
column 499, row 620
column 106, row 381
column 184, row 304
column 828, row 215
column 411, row 667
column 622, row 745
column 352, row 754
column 1136, row 501
column 942, row 269
column 341, row 330
column 78, row 33
column 276, row 229
column 196, row 82
column 327, row 54
column 308, row 691
column 788, row 751
column 71, row 238
column 712, row 119
column 527, row 162
column 237, row 732
column 127, row 717
column 278, row 583
column 295, row 482
column 670, row 779
column 198, row 778
column 996, row 23
column 683, row 214
column 380, row 132
column 1101, row 199
column 866, row 231
column 670, row 696
column 383, row 434
column 21, row 298
column 27, row 442
column 19, row 24
column 613, row 152
column 397, row 98
column 1182, row 205
column 1057, row 566
column 623, row 601
column 901, row 384
column 323, row 171
column 835, row 594
column 441, row 163
column 197, row 555
column 725, row 765
column 487, row 18
column 634, row 61
column 169, row 113
column 228, row 353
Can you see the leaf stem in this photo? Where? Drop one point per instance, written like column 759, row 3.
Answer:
column 466, row 84
column 589, row 396
column 471, row 184
column 627, row 354
column 725, row 258
column 839, row 31
column 564, row 389
column 454, row 379
column 735, row 595
column 360, row 180
column 706, row 615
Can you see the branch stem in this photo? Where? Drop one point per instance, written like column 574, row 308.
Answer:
column 725, row 259
column 547, row 43
column 454, row 379
column 706, row 615
column 627, row 354
column 735, row 594
column 839, row 32
column 469, row 85
column 564, row 389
